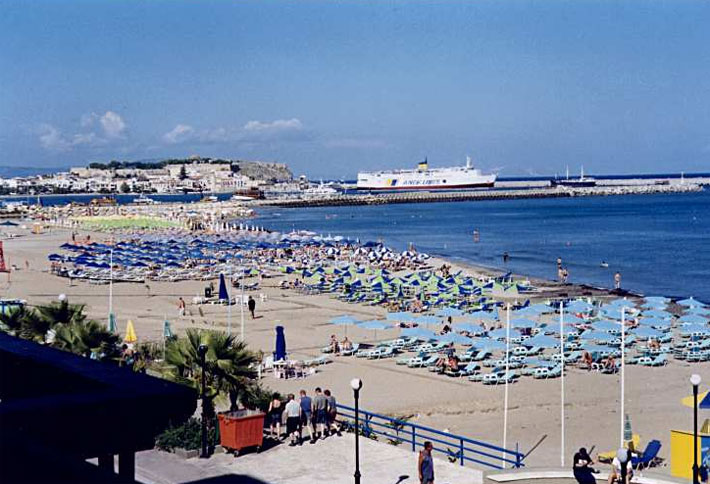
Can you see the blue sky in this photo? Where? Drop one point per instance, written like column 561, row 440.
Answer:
column 334, row 87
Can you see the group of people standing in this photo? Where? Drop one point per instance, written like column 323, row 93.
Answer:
column 316, row 415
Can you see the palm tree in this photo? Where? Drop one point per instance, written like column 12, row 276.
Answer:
column 228, row 364
column 62, row 312
column 86, row 338
column 11, row 321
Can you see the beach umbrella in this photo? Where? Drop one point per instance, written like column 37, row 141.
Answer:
column 693, row 319
column 657, row 299
column 485, row 315
column 403, row 317
column 621, row 303
column 427, row 320
column 374, row 324
column 644, row 332
column 469, row 327
column 112, row 323
column 419, row 333
column 694, row 328
column 488, row 344
column 597, row 336
column 656, row 313
column 167, row 331
column 522, row 323
column 699, row 310
column 690, row 302
column 655, row 322
column 223, row 295
column 572, row 319
column 702, row 398
column 130, row 333
column 606, row 325
column 445, row 312
column 280, row 349
column 540, row 363
column 542, row 341
column 592, row 348
column 501, row 333
column 344, row 320
column 579, row 306
column 455, row 338
column 613, row 313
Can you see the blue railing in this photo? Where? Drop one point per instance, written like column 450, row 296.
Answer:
column 455, row 447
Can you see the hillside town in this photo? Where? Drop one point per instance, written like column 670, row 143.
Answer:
column 191, row 175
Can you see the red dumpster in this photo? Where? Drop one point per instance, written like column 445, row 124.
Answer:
column 241, row 429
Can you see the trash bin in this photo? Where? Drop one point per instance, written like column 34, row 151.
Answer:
column 241, row 429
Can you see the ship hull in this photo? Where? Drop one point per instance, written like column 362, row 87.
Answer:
column 427, row 187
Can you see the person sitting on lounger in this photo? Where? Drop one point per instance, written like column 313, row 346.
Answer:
column 615, row 474
column 610, row 364
column 346, row 345
column 334, row 347
column 453, row 363
column 653, row 344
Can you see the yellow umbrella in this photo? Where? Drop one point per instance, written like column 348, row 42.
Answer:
column 130, row 333
column 688, row 401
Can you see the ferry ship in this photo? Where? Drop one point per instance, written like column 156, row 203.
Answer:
column 423, row 178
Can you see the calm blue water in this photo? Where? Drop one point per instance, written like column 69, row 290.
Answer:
column 659, row 243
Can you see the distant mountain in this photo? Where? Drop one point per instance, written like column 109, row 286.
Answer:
column 11, row 171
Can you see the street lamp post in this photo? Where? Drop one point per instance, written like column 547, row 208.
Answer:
column 356, row 385
column 695, row 381
column 203, row 352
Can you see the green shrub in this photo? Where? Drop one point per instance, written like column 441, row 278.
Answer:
column 186, row 436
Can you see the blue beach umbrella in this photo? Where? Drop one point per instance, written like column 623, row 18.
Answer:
column 280, row 350
column 500, row 333
column 655, row 322
column 449, row 312
column 622, row 303
column 420, row 333
column 403, row 317
column 597, row 336
column 374, row 324
column 542, row 341
column 484, row 315
column 646, row 332
column 223, row 295
column 579, row 306
column 694, row 328
column 572, row 319
column 657, row 313
column 488, row 344
column 427, row 320
column 693, row 318
column 455, row 338
column 606, row 325
column 540, row 363
column 521, row 323
column 469, row 327
column 690, row 302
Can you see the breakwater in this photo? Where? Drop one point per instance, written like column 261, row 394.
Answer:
column 481, row 195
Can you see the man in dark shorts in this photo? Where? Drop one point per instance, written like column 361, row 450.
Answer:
column 332, row 414
column 306, row 416
column 320, row 417
column 293, row 419
column 251, row 304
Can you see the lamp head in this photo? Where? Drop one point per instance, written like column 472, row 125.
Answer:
column 356, row 384
column 202, row 349
column 62, row 297
column 695, row 379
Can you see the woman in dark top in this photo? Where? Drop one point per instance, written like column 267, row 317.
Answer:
column 275, row 412
column 582, row 467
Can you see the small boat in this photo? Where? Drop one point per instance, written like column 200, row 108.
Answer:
column 581, row 182
column 143, row 200
column 605, row 265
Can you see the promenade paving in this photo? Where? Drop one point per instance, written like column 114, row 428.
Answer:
column 330, row 461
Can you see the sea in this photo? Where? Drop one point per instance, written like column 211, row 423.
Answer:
column 659, row 243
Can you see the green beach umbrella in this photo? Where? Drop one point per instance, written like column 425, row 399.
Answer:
column 628, row 433
column 112, row 323
column 167, row 332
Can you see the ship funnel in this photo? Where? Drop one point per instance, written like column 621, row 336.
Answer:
column 468, row 162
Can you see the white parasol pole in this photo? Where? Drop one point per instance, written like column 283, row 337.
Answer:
column 507, row 368
column 229, row 303
column 623, row 343
column 241, row 305
column 562, row 390
column 110, row 289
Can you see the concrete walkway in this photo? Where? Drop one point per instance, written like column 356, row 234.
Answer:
column 330, row 461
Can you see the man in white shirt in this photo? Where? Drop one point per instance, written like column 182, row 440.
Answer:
column 615, row 474
column 293, row 419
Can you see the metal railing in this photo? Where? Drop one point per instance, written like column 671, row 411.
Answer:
column 455, row 447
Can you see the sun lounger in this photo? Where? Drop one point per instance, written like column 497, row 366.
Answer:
column 321, row 360
column 420, row 362
column 467, row 370
column 660, row 360
column 649, row 454
column 478, row 377
column 382, row 352
column 351, row 351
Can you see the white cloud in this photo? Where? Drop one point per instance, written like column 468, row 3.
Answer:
column 179, row 134
column 51, row 138
column 112, row 124
column 293, row 124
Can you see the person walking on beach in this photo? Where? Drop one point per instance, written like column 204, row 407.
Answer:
column 559, row 263
column 565, row 275
column 275, row 412
column 617, row 280
column 251, row 304
column 306, row 416
column 332, row 413
column 181, row 306
column 320, row 405
column 293, row 419
column 426, row 464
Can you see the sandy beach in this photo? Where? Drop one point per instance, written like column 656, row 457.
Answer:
column 459, row 406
